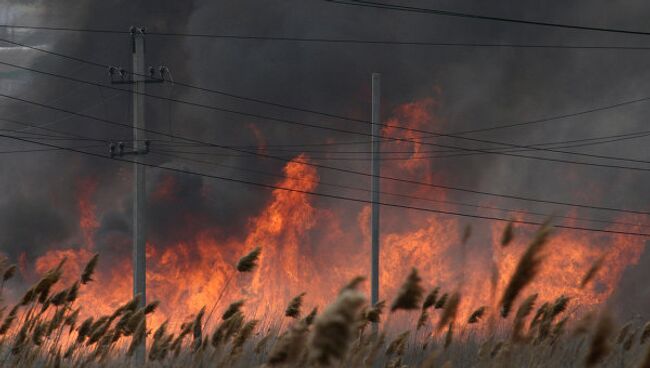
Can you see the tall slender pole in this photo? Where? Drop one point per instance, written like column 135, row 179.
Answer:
column 139, row 241
column 374, row 228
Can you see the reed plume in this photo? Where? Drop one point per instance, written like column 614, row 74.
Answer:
column 430, row 299
column 73, row 293
column 526, row 270
column 373, row 314
column 9, row 273
column 449, row 313
column 160, row 342
column 138, row 338
column 9, row 320
column 293, row 309
column 508, row 234
column 197, row 330
column 89, row 270
column 599, row 347
column 248, row 262
column 289, row 346
column 227, row 329
column 449, row 336
column 309, row 319
column 354, row 283
column 467, row 233
column 84, row 329
column 243, row 335
column 477, row 315
column 334, row 328
column 151, row 307
column 441, row 302
column 525, row 308
column 645, row 333
column 410, row 294
column 422, row 320
column 398, row 345
column 232, row 309
column 593, row 270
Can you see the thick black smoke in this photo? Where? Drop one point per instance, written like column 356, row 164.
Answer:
column 475, row 87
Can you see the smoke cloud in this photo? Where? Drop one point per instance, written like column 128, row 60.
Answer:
column 470, row 88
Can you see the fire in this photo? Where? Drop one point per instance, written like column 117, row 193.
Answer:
column 317, row 250
column 87, row 210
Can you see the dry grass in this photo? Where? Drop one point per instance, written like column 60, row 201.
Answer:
column 44, row 329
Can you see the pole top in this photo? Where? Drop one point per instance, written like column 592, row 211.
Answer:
column 137, row 30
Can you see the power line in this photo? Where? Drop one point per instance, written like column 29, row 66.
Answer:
column 342, row 117
column 310, row 125
column 412, row 9
column 43, row 150
column 450, row 153
column 331, row 196
column 400, row 195
column 338, row 169
column 333, row 41
column 61, row 134
column 590, row 142
column 66, row 135
column 285, row 147
column 386, row 125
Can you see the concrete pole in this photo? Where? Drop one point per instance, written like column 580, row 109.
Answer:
column 139, row 241
column 374, row 226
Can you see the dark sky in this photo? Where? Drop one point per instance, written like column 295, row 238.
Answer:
column 474, row 88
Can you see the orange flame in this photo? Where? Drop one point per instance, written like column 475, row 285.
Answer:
column 193, row 273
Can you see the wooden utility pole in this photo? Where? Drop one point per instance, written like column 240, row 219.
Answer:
column 374, row 187
column 138, row 79
column 139, row 229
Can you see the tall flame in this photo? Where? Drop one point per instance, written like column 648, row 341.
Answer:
column 315, row 250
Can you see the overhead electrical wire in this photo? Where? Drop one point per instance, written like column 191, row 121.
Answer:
column 450, row 153
column 401, row 195
column 44, row 150
column 413, row 9
column 327, row 195
column 327, row 40
column 67, row 136
column 337, row 116
column 315, row 126
column 338, row 169
column 62, row 134
column 385, row 125
column 295, row 147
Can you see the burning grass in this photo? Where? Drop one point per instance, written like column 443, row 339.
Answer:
column 44, row 328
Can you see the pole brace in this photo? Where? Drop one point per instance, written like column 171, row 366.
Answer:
column 118, row 150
